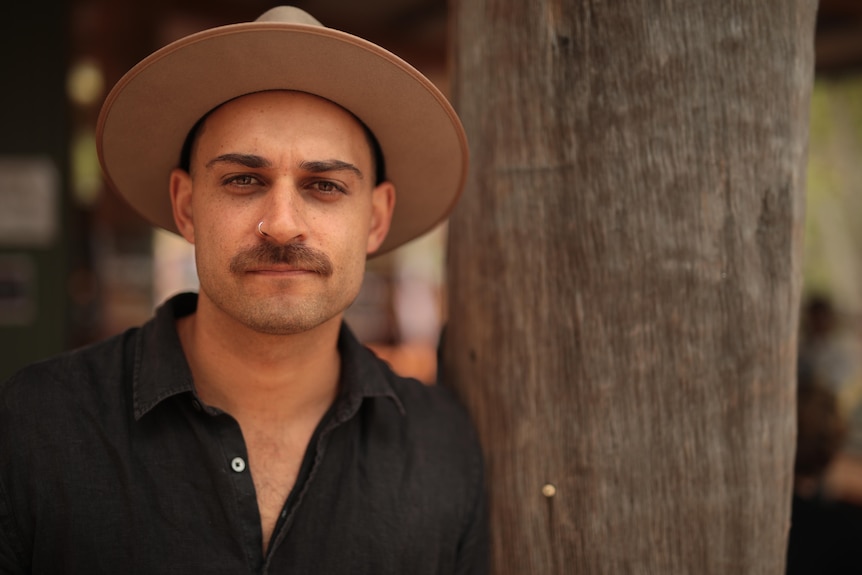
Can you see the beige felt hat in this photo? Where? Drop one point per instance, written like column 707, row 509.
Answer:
column 148, row 114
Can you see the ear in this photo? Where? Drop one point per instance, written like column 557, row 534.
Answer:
column 382, row 205
column 181, row 201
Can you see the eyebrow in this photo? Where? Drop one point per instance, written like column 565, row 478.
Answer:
column 314, row 166
column 319, row 166
column 247, row 160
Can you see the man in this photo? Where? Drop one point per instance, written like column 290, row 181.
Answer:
column 244, row 429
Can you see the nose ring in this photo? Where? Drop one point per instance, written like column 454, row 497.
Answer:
column 260, row 231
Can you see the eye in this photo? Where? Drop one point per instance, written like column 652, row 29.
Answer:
column 328, row 187
column 242, row 180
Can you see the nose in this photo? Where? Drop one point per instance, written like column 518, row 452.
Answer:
column 283, row 216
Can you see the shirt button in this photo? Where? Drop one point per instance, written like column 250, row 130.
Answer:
column 238, row 464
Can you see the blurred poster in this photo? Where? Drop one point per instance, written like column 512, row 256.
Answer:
column 29, row 198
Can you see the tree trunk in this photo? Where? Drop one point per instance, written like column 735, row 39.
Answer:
column 624, row 275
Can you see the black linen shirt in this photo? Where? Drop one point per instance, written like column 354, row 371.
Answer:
column 109, row 463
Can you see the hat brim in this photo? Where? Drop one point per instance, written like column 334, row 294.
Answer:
column 147, row 116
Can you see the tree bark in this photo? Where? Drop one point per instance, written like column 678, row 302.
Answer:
column 624, row 276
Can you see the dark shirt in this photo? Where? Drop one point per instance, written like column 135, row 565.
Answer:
column 824, row 537
column 109, row 463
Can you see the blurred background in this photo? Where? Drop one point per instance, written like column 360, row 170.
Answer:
column 76, row 264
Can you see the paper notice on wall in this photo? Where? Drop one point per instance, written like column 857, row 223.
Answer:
column 29, row 201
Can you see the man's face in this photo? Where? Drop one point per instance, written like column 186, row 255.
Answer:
column 302, row 166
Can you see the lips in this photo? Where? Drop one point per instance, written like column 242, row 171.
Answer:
column 277, row 269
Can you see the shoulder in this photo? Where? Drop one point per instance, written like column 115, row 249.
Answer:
column 90, row 359
column 437, row 424
column 64, row 381
column 440, row 444
column 53, row 411
column 427, row 409
column 434, row 405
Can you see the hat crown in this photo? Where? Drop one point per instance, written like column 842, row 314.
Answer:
column 288, row 15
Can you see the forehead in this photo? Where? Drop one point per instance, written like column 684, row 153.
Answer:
column 277, row 117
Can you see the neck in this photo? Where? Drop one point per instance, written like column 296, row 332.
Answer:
column 259, row 377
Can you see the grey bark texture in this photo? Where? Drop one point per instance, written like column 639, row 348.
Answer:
column 624, row 274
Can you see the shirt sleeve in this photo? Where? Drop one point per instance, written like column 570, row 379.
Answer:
column 11, row 548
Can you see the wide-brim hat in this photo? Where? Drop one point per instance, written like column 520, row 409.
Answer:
column 148, row 114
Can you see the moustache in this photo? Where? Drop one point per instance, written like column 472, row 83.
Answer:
column 295, row 255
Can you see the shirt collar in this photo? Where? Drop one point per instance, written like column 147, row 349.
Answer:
column 161, row 371
column 363, row 375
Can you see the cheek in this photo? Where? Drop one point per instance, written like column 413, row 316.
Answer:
column 216, row 243
column 351, row 257
column 220, row 222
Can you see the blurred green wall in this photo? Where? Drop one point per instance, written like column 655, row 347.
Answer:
column 833, row 227
column 33, row 163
